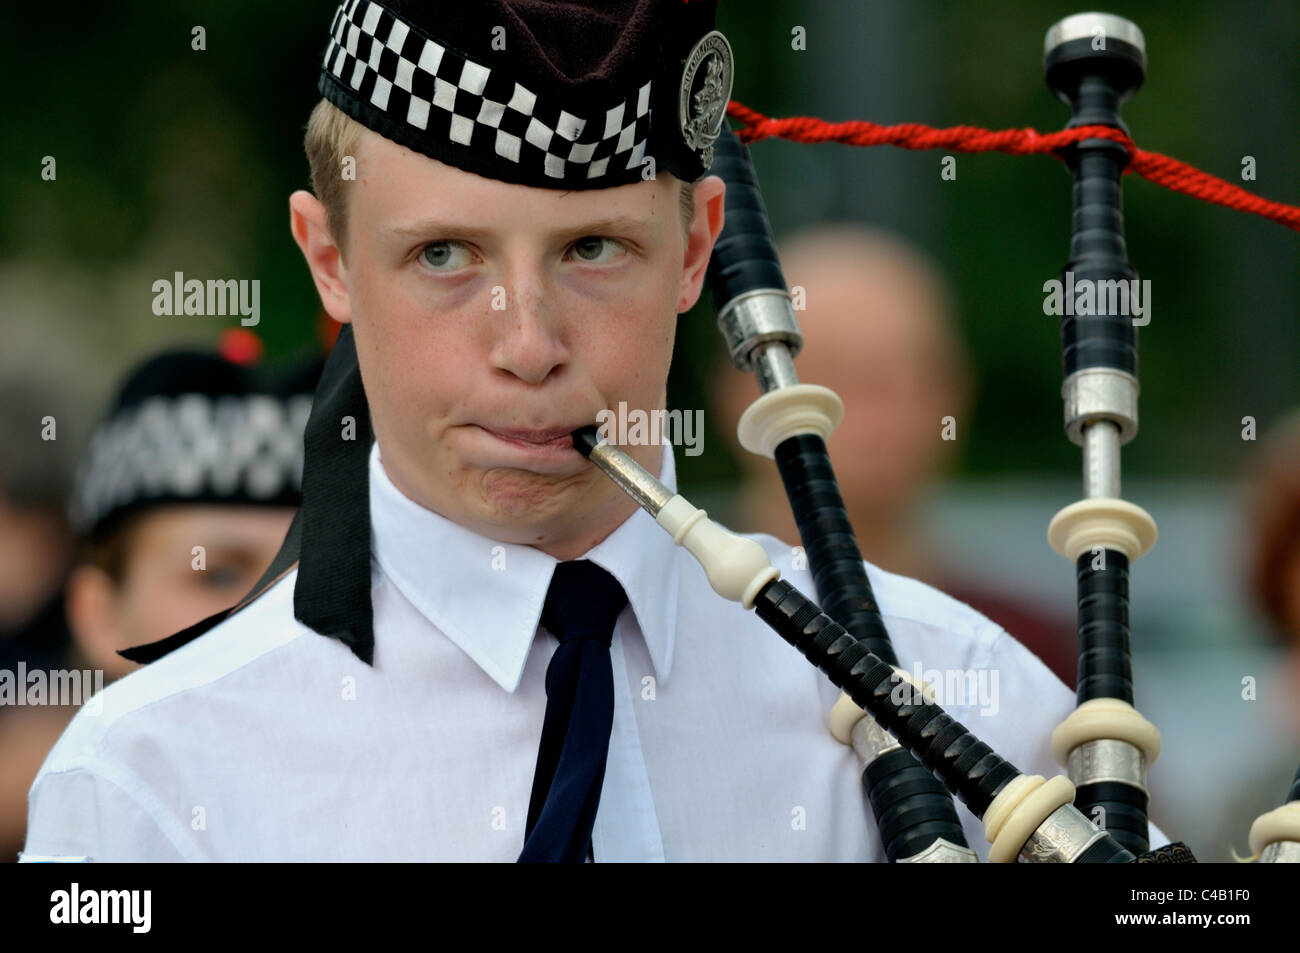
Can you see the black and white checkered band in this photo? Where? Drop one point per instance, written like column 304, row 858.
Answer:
column 430, row 97
column 225, row 449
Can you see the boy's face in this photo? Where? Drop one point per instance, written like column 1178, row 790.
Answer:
column 482, row 307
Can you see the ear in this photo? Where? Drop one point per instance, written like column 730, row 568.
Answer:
column 324, row 257
column 94, row 618
column 705, row 228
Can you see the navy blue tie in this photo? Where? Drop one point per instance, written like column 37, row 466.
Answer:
column 581, row 606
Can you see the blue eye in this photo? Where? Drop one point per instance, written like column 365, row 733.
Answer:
column 597, row 250
column 446, row 256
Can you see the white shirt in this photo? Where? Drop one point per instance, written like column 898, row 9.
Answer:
column 263, row 740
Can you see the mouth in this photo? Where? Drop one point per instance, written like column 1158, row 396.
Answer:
column 548, row 450
column 552, row 439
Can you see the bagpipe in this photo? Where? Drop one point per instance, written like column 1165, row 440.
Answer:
column 915, row 756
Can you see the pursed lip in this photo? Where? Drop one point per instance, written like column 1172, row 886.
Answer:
column 538, row 437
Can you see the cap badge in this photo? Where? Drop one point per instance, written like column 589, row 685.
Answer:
column 705, row 92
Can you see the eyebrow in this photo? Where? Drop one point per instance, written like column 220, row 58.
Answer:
column 433, row 227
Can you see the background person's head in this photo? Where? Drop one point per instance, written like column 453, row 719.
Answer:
column 1274, row 563
column 184, row 498
column 141, row 583
column 878, row 330
column 493, row 307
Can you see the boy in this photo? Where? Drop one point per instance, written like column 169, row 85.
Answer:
column 507, row 263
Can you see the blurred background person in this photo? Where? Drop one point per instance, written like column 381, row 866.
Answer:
column 1272, row 577
column 36, row 551
column 182, row 501
column 1274, row 526
column 879, row 330
column 36, row 541
column 198, row 452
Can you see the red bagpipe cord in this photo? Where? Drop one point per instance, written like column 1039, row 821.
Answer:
column 1160, row 169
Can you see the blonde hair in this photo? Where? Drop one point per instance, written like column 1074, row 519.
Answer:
column 333, row 137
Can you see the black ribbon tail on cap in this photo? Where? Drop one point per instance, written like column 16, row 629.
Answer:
column 152, row 651
column 332, row 592
column 329, row 537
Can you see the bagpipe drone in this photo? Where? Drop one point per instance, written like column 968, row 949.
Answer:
column 913, row 754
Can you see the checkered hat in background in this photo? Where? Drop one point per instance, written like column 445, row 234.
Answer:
column 565, row 95
column 191, row 426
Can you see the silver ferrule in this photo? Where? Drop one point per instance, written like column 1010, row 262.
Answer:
column 759, row 317
column 1100, row 393
column 1091, row 26
column 635, row 480
column 773, row 363
column 942, row 852
column 1061, row 838
column 1281, row 852
column 870, row 740
column 1107, row 760
column 1101, row 460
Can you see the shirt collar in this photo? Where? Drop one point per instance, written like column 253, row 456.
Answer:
column 487, row 596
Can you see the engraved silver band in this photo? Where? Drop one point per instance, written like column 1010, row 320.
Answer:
column 1107, row 759
column 757, row 317
column 1061, row 838
column 870, row 740
column 1281, row 852
column 942, row 852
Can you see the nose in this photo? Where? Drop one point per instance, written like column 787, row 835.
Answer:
column 528, row 342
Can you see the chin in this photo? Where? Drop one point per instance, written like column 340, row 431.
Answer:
column 527, row 497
